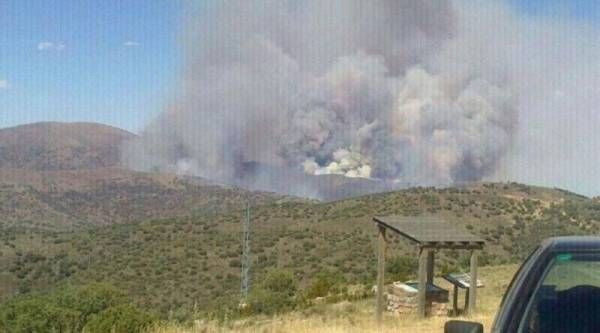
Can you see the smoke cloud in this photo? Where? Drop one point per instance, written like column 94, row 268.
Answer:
column 395, row 90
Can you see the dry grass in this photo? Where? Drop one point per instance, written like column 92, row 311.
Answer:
column 359, row 317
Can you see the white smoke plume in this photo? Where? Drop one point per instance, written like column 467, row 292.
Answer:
column 368, row 89
column 347, row 163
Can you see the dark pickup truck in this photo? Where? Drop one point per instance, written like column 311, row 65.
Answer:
column 557, row 289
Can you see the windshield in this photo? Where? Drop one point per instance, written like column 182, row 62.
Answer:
column 567, row 298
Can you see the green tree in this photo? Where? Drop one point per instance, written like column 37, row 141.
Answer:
column 91, row 299
column 276, row 293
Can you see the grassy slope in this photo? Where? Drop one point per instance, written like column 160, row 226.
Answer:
column 190, row 264
column 359, row 316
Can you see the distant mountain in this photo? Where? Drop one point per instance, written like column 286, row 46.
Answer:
column 61, row 146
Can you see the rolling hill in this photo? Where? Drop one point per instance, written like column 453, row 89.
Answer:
column 61, row 146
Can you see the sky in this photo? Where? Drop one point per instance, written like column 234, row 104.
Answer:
column 113, row 62
column 579, row 9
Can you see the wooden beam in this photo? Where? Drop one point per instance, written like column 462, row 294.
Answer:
column 422, row 292
column 381, row 245
column 453, row 246
column 473, row 285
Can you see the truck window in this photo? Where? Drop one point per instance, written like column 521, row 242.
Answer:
column 567, row 299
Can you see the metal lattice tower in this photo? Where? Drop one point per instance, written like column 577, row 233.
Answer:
column 246, row 254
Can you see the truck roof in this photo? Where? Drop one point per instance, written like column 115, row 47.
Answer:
column 572, row 243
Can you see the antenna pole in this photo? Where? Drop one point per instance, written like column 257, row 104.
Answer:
column 246, row 255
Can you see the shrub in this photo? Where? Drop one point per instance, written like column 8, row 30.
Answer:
column 275, row 294
column 90, row 299
column 402, row 268
column 37, row 314
column 70, row 309
column 278, row 281
column 124, row 318
column 235, row 263
column 324, row 283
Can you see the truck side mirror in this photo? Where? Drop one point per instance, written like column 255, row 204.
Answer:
column 457, row 326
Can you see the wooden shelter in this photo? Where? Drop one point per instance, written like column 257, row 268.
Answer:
column 430, row 234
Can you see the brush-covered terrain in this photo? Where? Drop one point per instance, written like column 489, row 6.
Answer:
column 183, row 266
column 63, row 200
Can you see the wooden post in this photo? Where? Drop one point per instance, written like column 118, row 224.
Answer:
column 455, row 301
column 430, row 263
column 422, row 292
column 381, row 244
column 473, row 285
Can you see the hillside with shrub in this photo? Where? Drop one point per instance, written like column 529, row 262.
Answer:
column 184, row 267
column 74, row 199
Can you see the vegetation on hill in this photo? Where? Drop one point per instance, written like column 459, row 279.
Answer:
column 95, row 308
column 63, row 200
column 183, row 267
